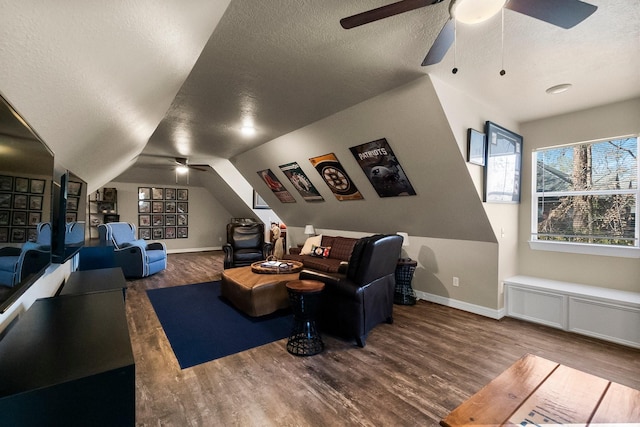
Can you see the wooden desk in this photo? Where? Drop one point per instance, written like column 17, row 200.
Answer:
column 536, row 391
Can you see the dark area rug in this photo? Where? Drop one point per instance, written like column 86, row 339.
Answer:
column 202, row 326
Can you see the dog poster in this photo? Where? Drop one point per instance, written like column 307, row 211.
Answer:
column 336, row 177
column 382, row 168
column 301, row 182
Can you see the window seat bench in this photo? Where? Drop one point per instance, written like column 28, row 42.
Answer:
column 607, row 314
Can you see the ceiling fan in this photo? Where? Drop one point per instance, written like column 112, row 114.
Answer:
column 561, row 13
column 184, row 163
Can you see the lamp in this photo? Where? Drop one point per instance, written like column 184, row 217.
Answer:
column 309, row 230
column 474, row 11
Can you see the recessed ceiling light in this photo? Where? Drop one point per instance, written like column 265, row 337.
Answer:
column 248, row 130
column 559, row 88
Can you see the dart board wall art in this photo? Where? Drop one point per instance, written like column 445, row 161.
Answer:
column 336, row 177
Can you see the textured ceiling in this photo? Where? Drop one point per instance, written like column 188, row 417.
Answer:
column 283, row 67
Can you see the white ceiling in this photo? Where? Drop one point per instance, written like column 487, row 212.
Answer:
column 102, row 81
column 284, row 67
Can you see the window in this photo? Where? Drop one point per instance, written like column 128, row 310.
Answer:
column 587, row 193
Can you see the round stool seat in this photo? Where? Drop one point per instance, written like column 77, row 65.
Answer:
column 305, row 285
column 304, row 339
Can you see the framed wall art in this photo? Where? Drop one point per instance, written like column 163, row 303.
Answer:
column 144, row 233
column 144, row 207
column 21, row 185
column 35, row 203
column 73, row 188
column 301, row 182
column 259, row 202
column 503, row 165
column 476, row 147
column 35, row 218
column 144, row 220
column 162, row 209
column 144, row 193
column 6, row 183
column 36, row 186
column 157, row 193
column 182, row 194
column 336, row 177
column 380, row 165
column 276, row 186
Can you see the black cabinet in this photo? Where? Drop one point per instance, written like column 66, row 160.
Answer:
column 95, row 255
column 90, row 281
column 68, row 362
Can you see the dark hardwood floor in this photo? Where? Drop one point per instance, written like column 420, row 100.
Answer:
column 411, row 373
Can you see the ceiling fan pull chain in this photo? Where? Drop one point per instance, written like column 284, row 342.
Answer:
column 455, row 37
column 502, row 71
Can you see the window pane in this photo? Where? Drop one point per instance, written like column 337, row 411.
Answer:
column 588, row 219
column 606, row 165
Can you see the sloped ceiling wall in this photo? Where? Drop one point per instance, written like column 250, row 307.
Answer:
column 413, row 122
column 96, row 89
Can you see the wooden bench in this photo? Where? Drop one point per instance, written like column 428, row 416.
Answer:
column 603, row 313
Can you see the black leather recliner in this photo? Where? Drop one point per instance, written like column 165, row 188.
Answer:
column 245, row 245
column 355, row 302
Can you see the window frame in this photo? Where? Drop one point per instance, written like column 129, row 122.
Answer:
column 583, row 248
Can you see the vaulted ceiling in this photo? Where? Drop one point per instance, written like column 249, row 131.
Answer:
column 103, row 82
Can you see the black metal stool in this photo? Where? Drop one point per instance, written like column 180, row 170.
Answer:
column 304, row 339
column 404, row 293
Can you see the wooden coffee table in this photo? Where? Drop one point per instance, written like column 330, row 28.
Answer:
column 253, row 293
column 536, row 391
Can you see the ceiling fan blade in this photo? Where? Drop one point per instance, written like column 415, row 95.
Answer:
column 384, row 12
column 441, row 45
column 561, row 13
column 202, row 168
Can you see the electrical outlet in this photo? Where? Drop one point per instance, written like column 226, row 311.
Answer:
column 456, row 281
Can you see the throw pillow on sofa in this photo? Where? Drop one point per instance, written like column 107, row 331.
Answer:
column 310, row 243
column 320, row 251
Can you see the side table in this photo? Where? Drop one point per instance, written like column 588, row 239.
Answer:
column 304, row 339
column 404, row 293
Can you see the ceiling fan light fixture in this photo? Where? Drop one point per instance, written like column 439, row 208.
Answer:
column 553, row 90
column 474, row 11
column 182, row 169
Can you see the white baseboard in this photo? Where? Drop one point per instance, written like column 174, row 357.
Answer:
column 187, row 250
column 461, row 305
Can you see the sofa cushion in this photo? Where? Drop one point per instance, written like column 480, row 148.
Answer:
column 341, row 247
column 320, row 251
column 310, row 242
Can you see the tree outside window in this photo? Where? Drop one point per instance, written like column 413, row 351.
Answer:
column 587, row 193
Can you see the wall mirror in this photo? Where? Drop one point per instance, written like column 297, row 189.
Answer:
column 26, row 176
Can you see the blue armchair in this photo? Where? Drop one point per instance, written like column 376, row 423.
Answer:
column 17, row 264
column 136, row 257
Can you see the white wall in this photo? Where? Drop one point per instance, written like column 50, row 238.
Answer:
column 207, row 217
column 46, row 286
column 605, row 271
column 464, row 112
column 449, row 230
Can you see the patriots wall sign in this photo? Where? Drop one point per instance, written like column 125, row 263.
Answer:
column 382, row 168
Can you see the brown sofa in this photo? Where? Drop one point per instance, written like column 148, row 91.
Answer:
column 337, row 261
